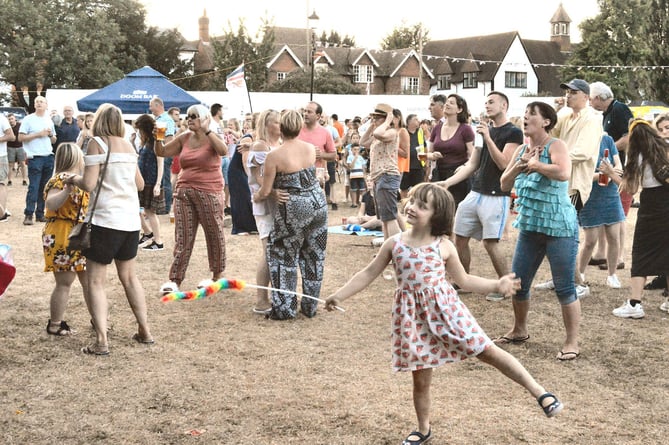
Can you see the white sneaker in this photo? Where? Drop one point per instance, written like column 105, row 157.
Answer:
column 548, row 285
column 495, row 296
column 613, row 282
column 378, row 242
column 582, row 291
column 665, row 306
column 169, row 287
column 629, row 311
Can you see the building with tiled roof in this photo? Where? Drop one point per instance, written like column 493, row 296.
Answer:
column 470, row 66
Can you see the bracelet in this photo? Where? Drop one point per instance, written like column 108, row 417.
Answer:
column 207, row 133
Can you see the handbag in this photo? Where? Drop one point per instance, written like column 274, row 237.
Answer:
column 80, row 235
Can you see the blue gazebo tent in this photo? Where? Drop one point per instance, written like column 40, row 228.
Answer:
column 133, row 93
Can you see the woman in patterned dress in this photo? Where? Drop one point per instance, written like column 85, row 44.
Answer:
column 299, row 235
column 66, row 205
column 430, row 325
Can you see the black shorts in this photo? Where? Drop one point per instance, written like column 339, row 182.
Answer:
column 110, row 244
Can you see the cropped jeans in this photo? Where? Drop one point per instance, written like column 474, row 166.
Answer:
column 531, row 248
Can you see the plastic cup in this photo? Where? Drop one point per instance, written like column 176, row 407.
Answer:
column 161, row 128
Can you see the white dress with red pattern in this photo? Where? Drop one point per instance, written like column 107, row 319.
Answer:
column 430, row 325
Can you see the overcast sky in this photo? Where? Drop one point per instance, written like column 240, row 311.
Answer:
column 370, row 21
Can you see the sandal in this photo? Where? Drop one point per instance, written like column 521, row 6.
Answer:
column 552, row 409
column 143, row 341
column 205, row 283
column 63, row 329
column 422, row 438
column 94, row 349
column 169, row 287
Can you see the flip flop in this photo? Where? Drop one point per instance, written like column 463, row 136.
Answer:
column 139, row 339
column 262, row 311
column 567, row 356
column 92, row 350
column 504, row 340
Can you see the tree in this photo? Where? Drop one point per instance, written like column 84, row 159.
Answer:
column 325, row 82
column 231, row 50
column 335, row 40
column 613, row 37
column 79, row 44
column 655, row 82
column 406, row 37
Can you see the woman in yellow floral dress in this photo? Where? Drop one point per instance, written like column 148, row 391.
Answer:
column 63, row 202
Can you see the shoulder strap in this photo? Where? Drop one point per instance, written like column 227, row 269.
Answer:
column 104, row 146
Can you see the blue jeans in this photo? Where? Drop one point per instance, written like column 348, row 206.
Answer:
column 167, row 184
column 531, row 248
column 40, row 169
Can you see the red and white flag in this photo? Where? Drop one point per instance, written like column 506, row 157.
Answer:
column 235, row 80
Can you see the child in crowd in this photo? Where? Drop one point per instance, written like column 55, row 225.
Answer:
column 431, row 326
column 366, row 216
column 356, row 165
column 66, row 205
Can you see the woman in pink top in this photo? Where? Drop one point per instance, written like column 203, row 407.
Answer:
column 198, row 199
column 451, row 144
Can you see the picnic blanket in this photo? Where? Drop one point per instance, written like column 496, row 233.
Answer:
column 339, row 230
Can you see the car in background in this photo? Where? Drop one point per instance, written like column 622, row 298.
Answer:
column 18, row 112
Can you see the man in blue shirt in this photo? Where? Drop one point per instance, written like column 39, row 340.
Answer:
column 68, row 130
column 157, row 108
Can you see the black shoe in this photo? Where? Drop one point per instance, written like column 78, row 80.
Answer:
column 334, row 206
column 227, row 211
column 153, row 246
column 40, row 219
column 9, row 182
column 659, row 282
column 5, row 217
column 145, row 238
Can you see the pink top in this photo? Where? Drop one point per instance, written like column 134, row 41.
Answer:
column 453, row 150
column 200, row 167
column 321, row 138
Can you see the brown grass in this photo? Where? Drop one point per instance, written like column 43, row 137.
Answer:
column 232, row 377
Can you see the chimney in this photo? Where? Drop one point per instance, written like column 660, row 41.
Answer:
column 203, row 23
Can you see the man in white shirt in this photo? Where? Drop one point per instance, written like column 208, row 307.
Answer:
column 37, row 133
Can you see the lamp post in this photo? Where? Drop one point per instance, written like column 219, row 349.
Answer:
column 312, row 49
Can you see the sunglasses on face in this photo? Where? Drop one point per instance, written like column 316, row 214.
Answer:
column 192, row 116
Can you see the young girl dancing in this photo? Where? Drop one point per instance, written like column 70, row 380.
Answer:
column 430, row 325
column 66, row 205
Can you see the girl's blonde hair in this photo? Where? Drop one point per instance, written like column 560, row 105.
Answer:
column 108, row 121
column 261, row 125
column 68, row 155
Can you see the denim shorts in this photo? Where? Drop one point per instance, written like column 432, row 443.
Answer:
column 531, row 248
column 386, row 188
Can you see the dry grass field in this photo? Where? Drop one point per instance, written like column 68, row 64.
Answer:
column 218, row 374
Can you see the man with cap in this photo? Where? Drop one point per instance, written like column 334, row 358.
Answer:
column 581, row 130
column 382, row 138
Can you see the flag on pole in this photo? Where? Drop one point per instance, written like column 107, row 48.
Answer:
column 235, row 80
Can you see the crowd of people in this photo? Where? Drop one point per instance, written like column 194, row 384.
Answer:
column 429, row 186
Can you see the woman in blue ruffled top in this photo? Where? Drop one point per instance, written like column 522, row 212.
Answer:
column 547, row 223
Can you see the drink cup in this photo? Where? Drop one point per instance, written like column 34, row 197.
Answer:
column 422, row 155
column 161, row 128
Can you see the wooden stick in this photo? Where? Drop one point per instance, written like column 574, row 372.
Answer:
column 292, row 293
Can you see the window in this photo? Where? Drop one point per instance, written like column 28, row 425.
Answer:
column 410, row 85
column 363, row 74
column 563, row 29
column 280, row 76
column 515, row 80
column 470, row 80
column 444, row 82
